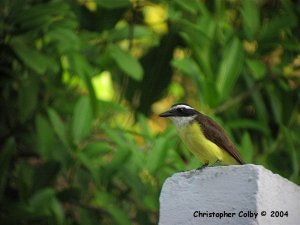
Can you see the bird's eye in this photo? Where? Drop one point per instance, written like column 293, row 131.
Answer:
column 180, row 110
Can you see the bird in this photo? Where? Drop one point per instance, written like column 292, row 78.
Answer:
column 204, row 137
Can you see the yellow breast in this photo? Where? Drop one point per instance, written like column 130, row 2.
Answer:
column 205, row 150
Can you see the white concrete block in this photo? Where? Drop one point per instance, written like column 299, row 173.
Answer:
column 229, row 195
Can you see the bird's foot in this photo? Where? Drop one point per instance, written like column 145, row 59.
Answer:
column 217, row 163
column 202, row 166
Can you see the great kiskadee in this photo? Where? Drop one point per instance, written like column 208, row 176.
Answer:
column 204, row 137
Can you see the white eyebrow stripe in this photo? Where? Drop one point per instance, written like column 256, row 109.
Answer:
column 182, row 106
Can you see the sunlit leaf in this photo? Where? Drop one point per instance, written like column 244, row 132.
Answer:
column 230, row 67
column 199, row 39
column 187, row 66
column 126, row 62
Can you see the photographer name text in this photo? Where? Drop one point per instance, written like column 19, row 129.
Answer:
column 245, row 214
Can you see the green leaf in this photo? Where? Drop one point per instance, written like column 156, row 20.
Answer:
column 119, row 215
column 27, row 98
column 251, row 18
column 139, row 32
column 44, row 136
column 119, row 159
column 276, row 25
column 57, row 212
column 35, row 23
column 127, row 63
column 257, row 68
column 248, row 124
column 207, row 87
column 199, row 38
column 247, row 148
column 31, row 57
column 84, row 69
column 229, row 69
column 156, row 157
column 25, row 181
column 115, row 135
column 46, row 142
column 80, row 65
column 82, row 119
column 276, row 104
column 58, row 126
column 209, row 92
column 187, row 65
column 190, row 6
column 293, row 153
column 38, row 17
column 87, row 217
column 6, row 155
column 85, row 161
column 66, row 39
column 260, row 107
column 40, row 201
column 44, row 203
column 113, row 4
column 96, row 149
column 108, row 202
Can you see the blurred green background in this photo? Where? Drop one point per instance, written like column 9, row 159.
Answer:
column 82, row 82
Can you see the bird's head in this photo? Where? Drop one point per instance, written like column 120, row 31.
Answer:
column 181, row 114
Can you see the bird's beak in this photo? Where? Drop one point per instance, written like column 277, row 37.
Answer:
column 166, row 114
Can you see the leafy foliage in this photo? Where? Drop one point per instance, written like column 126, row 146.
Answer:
column 69, row 156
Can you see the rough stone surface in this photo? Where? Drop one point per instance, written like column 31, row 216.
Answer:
column 230, row 189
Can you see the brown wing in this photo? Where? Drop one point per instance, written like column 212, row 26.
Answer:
column 213, row 132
